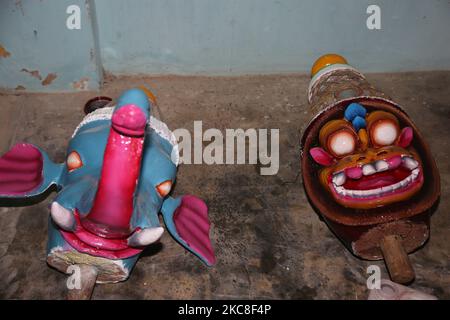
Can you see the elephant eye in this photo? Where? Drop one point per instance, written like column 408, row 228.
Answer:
column 73, row 161
column 164, row 188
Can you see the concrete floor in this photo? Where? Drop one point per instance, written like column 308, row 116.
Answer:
column 268, row 240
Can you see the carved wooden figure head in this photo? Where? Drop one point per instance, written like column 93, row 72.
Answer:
column 367, row 159
column 366, row 168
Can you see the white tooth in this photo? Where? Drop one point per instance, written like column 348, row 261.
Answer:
column 362, row 193
column 349, row 193
column 386, row 189
column 371, row 192
column 339, row 179
column 62, row 217
column 410, row 163
column 396, row 186
column 339, row 189
column 145, row 237
column 368, row 169
column 381, row 165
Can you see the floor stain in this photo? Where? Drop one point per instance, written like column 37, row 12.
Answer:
column 269, row 242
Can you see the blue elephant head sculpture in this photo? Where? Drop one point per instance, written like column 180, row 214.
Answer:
column 120, row 167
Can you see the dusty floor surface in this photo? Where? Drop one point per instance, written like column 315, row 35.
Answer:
column 269, row 242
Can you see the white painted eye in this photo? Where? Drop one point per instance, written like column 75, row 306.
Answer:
column 73, row 161
column 384, row 133
column 164, row 188
column 342, row 143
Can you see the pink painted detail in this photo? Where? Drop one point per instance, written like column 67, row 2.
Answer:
column 321, row 156
column 113, row 204
column 405, row 138
column 129, row 120
column 394, row 162
column 21, row 170
column 192, row 224
column 354, row 172
column 84, row 241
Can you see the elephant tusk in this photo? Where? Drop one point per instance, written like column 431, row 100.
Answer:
column 145, row 237
column 62, row 217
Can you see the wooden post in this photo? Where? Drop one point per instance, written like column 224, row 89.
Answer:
column 88, row 274
column 397, row 261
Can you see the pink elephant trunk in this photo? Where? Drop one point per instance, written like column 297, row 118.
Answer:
column 113, row 204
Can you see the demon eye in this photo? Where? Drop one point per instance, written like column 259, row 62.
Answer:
column 73, row 161
column 342, row 142
column 384, row 133
column 164, row 188
column 383, row 128
column 338, row 137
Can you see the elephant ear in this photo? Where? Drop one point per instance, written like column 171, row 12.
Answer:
column 26, row 171
column 186, row 219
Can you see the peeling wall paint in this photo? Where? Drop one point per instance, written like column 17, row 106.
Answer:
column 18, row 4
column 4, row 53
column 81, row 84
column 37, row 50
column 49, row 79
column 33, row 73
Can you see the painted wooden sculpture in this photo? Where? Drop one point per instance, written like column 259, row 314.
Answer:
column 366, row 168
column 120, row 168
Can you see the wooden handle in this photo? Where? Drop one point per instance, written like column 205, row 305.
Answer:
column 88, row 276
column 397, row 261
